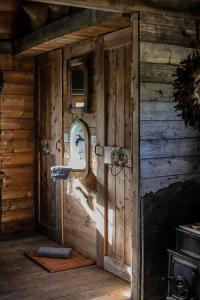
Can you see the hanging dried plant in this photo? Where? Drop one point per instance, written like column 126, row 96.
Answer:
column 187, row 90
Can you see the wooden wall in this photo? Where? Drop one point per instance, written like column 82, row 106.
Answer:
column 80, row 195
column 169, row 152
column 16, row 143
column 13, row 20
column 118, row 132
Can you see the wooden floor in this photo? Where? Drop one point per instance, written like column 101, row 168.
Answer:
column 20, row 278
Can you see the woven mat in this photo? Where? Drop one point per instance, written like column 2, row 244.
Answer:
column 56, row 264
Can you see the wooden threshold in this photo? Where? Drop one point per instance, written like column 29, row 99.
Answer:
column 119, row 269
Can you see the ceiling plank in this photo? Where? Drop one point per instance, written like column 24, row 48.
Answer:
column 63, row 27
column 189, row 7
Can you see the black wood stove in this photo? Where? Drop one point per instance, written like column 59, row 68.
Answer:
column 184, row 265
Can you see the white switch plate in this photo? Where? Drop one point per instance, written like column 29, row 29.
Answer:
column 93, row 140
column 66, row 137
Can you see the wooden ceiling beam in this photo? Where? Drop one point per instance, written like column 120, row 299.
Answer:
column 62, row 27
column 188, row 7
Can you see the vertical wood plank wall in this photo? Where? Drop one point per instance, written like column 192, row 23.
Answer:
column 169, row 152
column 80, row 195
column 16, row 143
column 119, row 132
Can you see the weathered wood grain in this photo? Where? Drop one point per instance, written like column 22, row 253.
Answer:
column 79, row 204
column 117, row 38
column 110, row 64
column 16, row 143
column 163, row 53
column 136, row 287
column 48, row 206
column 159, row 92
column 120, row 140
column 170, row 166
column 128, row 6
column 165, row 29
column 169, row 152
column 118, row 132
column 149, row 185
column 157, row 73
column 158, row 130
column 101, row 140
column 128, row 209
column 169, row 148
column 159, row 111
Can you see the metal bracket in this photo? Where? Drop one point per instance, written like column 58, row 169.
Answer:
column 99, row 150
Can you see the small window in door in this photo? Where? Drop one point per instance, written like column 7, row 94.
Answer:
column 78, row 84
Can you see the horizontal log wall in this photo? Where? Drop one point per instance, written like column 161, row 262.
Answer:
column 16, row 143
column 169, row 150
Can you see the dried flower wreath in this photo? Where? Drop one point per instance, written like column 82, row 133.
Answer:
column 187, row 90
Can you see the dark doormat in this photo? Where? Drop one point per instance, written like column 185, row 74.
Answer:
column 56, row 264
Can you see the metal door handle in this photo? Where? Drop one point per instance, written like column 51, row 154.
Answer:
column 57, row 145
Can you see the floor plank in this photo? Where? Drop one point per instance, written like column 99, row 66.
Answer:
column 20, row 278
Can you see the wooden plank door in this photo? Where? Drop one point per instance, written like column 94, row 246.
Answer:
column 118, row 132
column 48, row 71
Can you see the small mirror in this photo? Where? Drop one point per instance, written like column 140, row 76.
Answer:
column 78, row 84
column 79, row 147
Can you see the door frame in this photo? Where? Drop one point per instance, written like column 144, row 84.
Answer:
column 101, row 229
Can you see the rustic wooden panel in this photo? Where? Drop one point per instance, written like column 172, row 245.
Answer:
column 119, row 132
column 8, row 123
column 165, row 29
column 156, row 183
column 158, row 130
column 169, row 152
column 117, row 38
column 157, row 73
column 159, row 57
column 128, row 172
column 80, row 194
column 20, row 63
column 110, row 65
column 156, row 92
column 169, row 148
column 186, row 9
column 49, row 118
column 22, row 101
column 19, row 182
column 17, row 215
column 163, row 53
column 159, row 111
column 16, row 143
column 170, row 166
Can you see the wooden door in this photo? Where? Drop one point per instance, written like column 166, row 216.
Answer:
column 48, row 71
column 118, row 189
